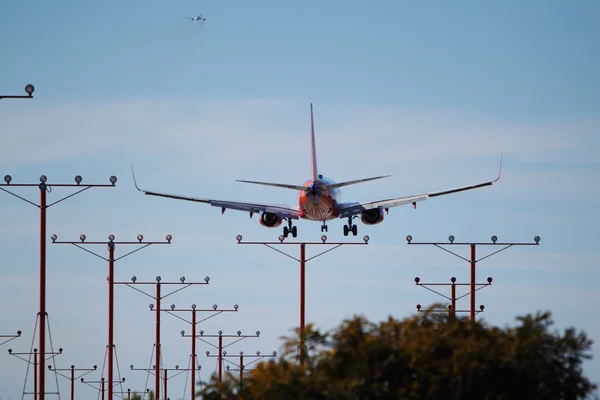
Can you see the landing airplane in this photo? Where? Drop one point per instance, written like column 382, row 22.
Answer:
column 317, row 200
column 198, row 17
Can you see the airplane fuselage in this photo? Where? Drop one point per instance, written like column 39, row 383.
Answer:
column 319, row 203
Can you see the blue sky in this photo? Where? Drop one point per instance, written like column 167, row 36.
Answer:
column 429, row 93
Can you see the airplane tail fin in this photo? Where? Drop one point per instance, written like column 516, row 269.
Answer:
column 313, row 150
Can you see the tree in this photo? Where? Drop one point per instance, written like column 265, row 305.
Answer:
column 421, row 357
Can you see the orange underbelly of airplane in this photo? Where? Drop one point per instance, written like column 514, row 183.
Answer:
column 318, row 204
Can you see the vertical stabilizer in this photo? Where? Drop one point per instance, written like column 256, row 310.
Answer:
column 313, row 150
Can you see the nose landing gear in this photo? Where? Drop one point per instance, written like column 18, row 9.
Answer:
column 324, row 227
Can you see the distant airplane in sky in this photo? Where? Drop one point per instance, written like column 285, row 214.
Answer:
column 317, row 200
column 198, row 17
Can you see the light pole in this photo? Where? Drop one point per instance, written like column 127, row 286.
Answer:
column 303, row 260
column 242, row 367
column 37, row 359
column 158, row 297
column 220, row 347
column 453, row 299
column 28, row 89
column 166, row 376
column 111, row 280
column 45, row 187
column 72, row 376
column 194, row 322
column 102, row 383
column 473, row 260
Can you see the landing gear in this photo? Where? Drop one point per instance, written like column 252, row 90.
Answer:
column 350, row 227
column 324, row 227
column 290, row 229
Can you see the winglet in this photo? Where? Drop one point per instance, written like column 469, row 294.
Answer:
column 134, row 181
column 500, row 170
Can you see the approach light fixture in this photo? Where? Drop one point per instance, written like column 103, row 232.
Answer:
column 451, row 238
column 220, row 333
column 172, row 306
column 177, row 367
column 133, row 279
column 409, row 238
column 140, row 237
column 417, row 280
column 489, row 279
column 453, row 279
column 241, row 353
column 214, row 306
column 323, row 238
column 235, row 307
column 29, row 89
column 366, row 239
column 239, row 333
column 182, row 333
column 481, row 307
column 43, row 179
column 151, row 306
column 274, row 353
column 258, row 353
column 224, row 353
column 206, row 279
column 193, row 306
column 7, row 179
column 113, row 179
column 201, row 333
column 281, row 237
column 257, row 333
column 111, row 237
column 82, row 237
column 131, row 366
column 238, row 238
column 494, row 238
column 78, row 179
column 537, row 239
column 418, row 307
column 158, row 279
column 169, row 237
column 182, row 279
column 54, row 237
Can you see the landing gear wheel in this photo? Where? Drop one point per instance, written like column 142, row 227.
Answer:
column 354, row 230
column 285, row 231
column 345, row 230
column 294, row 232
column 323, row 227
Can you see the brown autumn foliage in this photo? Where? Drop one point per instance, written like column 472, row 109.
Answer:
column 421, row 357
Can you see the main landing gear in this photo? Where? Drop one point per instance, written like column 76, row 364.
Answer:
column 290, row 229
column 350, row 227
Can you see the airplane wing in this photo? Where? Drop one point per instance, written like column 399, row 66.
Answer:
column 350, row 209
column 283, row 211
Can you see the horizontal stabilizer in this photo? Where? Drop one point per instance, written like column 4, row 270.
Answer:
column 340, row 184
column 281, row 185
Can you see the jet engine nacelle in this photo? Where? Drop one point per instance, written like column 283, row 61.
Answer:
column 270, row 220
column 372, row 216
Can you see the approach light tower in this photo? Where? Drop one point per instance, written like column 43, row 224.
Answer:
column 473, row 260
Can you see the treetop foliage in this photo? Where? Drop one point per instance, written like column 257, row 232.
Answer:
column 421, row 357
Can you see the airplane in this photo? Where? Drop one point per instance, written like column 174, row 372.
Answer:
column 198, row 17
column 318, row 200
